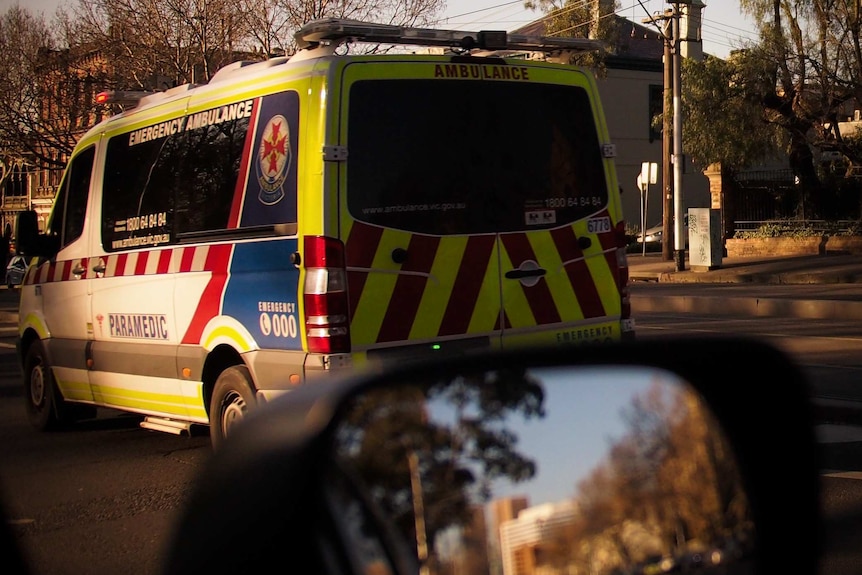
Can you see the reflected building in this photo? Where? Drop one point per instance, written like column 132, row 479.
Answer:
column 555, row 539
column 524, row 540
column 506, row 509
column 501, row 511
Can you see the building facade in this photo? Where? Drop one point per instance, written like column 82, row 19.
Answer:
column 68, row 83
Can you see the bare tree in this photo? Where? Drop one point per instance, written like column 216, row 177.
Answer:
column 671, row 474
column 269, row 26
column 30, row 125
column 50, row 74
column 157, row 44
column 273, row 22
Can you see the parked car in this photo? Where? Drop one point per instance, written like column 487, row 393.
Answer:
column 654, row 234
column 16, row 269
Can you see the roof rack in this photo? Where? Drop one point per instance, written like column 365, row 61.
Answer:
column 332, row 32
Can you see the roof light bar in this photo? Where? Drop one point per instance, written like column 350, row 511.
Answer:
column 123, row 97
column 336, row 31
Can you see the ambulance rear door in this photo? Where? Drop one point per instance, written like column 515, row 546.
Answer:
column 561, row 221
column 474, row 206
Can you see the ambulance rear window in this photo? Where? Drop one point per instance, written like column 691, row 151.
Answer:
column 467, row 156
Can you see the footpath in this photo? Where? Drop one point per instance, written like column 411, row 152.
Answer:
column 807, row 287
column 814, row 286
column 777, row 270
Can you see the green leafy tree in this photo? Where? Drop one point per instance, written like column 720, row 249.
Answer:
column 811, row 59
column 594, row 19
column 786, row 92
column 724, row 120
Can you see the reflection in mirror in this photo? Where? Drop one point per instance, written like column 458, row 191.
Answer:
column 599, row 470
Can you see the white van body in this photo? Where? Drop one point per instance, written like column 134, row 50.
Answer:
column 216, row 245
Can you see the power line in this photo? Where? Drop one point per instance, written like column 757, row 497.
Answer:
column 518, row 2
column 715, row 32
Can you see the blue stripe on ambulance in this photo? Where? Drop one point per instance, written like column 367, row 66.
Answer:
column 262, row 293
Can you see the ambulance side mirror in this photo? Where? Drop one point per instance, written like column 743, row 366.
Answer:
column 29, row 241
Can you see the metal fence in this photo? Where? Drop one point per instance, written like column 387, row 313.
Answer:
column 763, row 195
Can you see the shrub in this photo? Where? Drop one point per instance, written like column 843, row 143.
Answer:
column 801, row 229
column 779, row 229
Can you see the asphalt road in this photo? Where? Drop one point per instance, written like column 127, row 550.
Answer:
column 101, row 499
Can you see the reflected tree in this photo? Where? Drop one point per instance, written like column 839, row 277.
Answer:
column 672, row 475
column 443, row 443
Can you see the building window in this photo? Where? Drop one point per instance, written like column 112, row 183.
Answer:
column 16, row 182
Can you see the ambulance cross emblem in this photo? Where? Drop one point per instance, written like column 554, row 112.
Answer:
column 273, row 159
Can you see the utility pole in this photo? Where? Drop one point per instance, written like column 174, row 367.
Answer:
column 666, row 181
column 673, row 196
column 418, row 512
column 667, row 184
column 678, row 206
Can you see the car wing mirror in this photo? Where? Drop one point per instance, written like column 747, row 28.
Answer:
column 647, row 456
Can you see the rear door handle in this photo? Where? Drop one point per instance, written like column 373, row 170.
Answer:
column 520, row 273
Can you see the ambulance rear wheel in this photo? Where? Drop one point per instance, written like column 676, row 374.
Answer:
column 232, row 397
column 44, row 404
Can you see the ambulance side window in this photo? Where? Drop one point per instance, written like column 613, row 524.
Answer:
column 209, row 176
column 137, row 191
column 160, row 189
column 67, row 218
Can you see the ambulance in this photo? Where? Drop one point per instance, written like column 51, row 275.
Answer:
column 214, row 246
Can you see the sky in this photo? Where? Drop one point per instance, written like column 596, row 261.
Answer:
column 583, row 419
column 722, row 30
column 723, row 25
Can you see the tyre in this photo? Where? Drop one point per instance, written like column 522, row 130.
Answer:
column 233, row 396
column 46, row 408
column 40, row 392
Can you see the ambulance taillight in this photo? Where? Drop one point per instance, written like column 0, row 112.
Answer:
column 327, row 326
column 623, row 271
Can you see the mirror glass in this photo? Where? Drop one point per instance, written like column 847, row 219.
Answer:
column 569, row 470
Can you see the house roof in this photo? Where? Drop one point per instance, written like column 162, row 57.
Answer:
column 635, row 42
